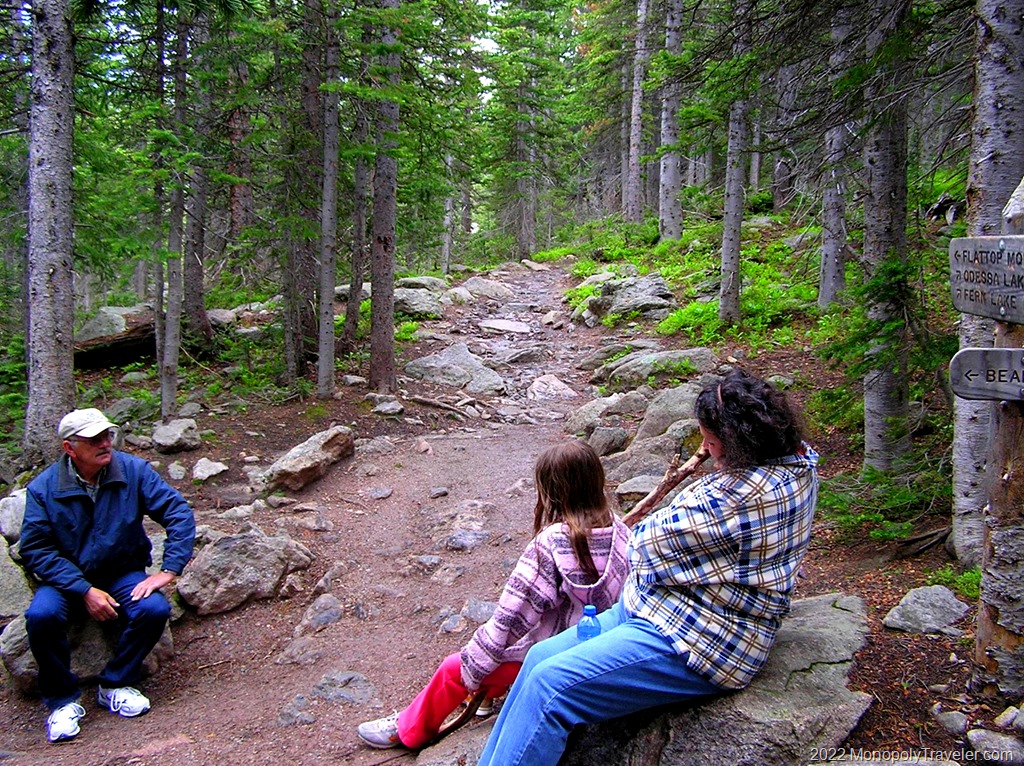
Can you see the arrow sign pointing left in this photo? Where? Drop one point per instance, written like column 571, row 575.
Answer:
column 988, row 373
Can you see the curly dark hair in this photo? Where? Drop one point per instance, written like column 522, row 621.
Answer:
column 754, row 420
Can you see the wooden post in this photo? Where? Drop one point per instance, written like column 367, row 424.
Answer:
column 999, row 638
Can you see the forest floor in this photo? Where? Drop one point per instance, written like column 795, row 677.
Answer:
column 220, row 700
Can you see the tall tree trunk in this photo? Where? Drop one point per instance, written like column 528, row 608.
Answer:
column 886, row 396
column 755, row 152
column 670, row 213
column 996, row 158
column 783, row 181
column 832, row 272
column 196, row 323
column 997, row 165
column 51, row 386
column 385, row 204
column 448, row 223
column 729, row 290
column 360, row 202
column 329, row 212
column 632, row 206
column 175, row 288
column 241, row 206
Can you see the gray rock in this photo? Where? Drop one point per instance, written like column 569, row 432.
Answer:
column 206, row 469
column 617, row 350
column 325, row 610
column 299, row 651
column 930, row 609
column 504, row 325
column 295, row 713
column 466, row 539
column 666, row 408
column 235, row 569
column 418, row 304
column 189, row 410
column 15, row 586
column 457, row 295
column 640, row 366
column 108, row 320
column 135, row 376
column 341, row 291
column 952, row 721
column 478, row 611
column 994, row 746
column 310, row 460
column 479, row 287
column 12, row 513
column 547, row 387
column 436, row 492
column 585, row 419
column 433, row 284
column 1007, row 718
column 177, row 471
column 332, row 578
column 222, row 317
column 391, row 408
column 177, row 435
column 456, row 366
column 605, row 440
column 346, row 687
column 798, row 702
column 632, row 491
column 648, row 296
column 92, row 646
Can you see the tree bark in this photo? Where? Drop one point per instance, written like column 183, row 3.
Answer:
column 670, row 213
column 360, row 201
column 832, row 272
column 997, row 165
column 633, row 208
column 51, row 387
column 886, row 396
column 329, row 213
column 729, row 290
column 385, row 189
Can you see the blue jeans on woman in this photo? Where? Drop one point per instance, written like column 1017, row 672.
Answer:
column 564, row 682
column 47, row 620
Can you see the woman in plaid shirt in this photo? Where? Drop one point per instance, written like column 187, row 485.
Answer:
column 710, row 579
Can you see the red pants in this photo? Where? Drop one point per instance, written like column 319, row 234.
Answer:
column 420, row 722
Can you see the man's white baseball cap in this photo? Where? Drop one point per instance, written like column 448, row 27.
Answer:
column 85, row 423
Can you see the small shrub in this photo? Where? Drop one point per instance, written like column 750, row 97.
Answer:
column 578, row 296
column 967, row 583
column 406, row 331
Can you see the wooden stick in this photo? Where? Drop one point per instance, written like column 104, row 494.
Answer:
column 675, row 474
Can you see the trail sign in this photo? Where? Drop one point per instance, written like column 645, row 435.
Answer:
column 987, row 276
column 988, row 373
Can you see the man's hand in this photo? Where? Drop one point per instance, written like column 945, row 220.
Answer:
column 150, row 584
column 100, row 605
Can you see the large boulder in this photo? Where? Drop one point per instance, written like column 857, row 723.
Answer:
column 479, row 287
column 310, row 460
column 798, row 704
column 92, row 646
column 12, row 513
column 648, row 296
column 641, row 366
column 235, row 569
column 177, row 435
column 418, row 303
column 15, row 587
column 457, row 366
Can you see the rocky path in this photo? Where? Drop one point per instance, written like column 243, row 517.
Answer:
column 453, row 461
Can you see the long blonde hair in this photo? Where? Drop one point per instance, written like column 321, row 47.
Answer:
column 570, row 490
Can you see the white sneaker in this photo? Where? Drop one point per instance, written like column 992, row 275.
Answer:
column 62, row 723
column 124, row 701
column 382, row 733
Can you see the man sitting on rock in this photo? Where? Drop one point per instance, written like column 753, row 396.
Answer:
column 83, row 538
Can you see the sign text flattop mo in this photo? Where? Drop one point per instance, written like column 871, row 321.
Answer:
column 987, row 276
column 988, row 373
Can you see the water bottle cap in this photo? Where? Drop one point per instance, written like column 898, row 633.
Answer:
column 590, row 610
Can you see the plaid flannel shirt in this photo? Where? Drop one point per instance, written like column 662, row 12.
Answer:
column 713, row 571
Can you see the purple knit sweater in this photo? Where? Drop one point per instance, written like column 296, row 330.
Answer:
column 544, row 595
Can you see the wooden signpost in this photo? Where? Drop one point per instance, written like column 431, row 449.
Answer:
column 986, row 279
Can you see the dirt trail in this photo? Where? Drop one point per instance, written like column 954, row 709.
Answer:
column 220, row 699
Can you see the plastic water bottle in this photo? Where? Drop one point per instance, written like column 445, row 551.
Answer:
column 588, row 626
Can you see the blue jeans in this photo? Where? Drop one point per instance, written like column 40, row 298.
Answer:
column 563, row 682
column 47, row 620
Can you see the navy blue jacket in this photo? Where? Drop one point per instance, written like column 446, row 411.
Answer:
column 72, row 543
